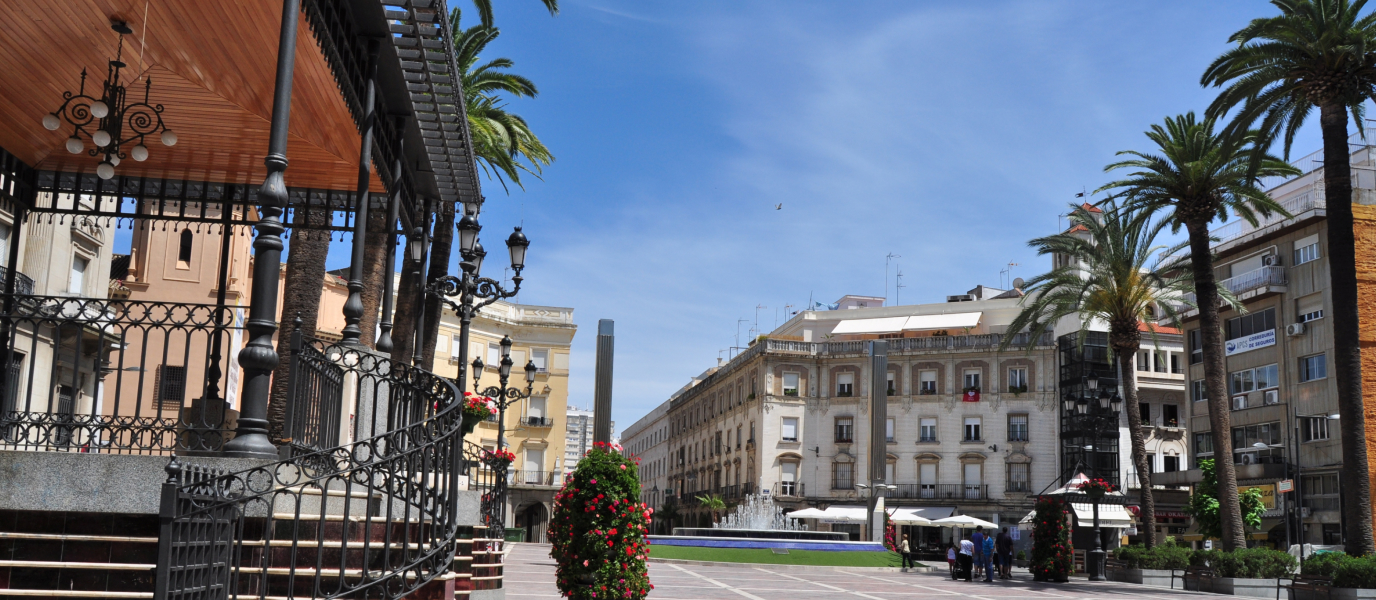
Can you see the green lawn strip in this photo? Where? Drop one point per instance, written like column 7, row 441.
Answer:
column 818, row 558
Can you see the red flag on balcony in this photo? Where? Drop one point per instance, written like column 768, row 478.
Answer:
column 971, row 395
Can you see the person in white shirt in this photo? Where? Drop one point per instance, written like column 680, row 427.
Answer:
column 906, row 553
column 966, row 559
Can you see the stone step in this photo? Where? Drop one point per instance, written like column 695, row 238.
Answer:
column 67, row 537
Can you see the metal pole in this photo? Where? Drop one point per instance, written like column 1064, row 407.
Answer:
column 419, row 333
column 602, row 391
column 353, row 307
column 384, row 338
column 1096, row 556
column 259, row 358
column 879, row 420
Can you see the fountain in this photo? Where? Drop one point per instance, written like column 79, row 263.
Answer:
column 761, row 522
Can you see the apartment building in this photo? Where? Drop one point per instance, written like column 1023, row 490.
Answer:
column 1283, row 403
column 533, row 427
column 578, row 436
column 971, row 428
column 648, row 440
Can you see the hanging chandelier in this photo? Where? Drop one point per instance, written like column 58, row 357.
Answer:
column 115, row 128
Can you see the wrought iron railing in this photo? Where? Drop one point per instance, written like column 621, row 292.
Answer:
column 23, row 284
column 537, row 421
column 489, row 479
column 1245, row 282
column 117, row 376
column 536, row 477
column 942, row 491
column 789, row 489
column 377, row 517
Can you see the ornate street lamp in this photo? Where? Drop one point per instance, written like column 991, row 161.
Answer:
column 1091, row 412
column 116, row 127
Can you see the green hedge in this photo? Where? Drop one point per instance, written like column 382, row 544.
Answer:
column 1346, row 571
column 1164, row 556
column 1246, row 563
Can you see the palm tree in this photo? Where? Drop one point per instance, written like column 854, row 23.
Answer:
column 714, row 505
column 1199, row 176
column 300, row 298
column 1316, row 53
column 485, row 9
column 1115, row 274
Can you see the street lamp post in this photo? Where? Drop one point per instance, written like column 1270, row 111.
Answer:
column 501, row 394
column 1093, row 410
column 475, row 292
column 1296, row 507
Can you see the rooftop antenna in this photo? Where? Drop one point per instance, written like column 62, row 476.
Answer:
column 738, row 333
column 1006, row 272
column 887, row 258
column 757, row 318
column 898, row 287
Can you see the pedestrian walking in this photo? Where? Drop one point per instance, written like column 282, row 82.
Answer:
column 951, row 559
column 977, row 540
column 989, row 559
column 907, row 553
column 966, row 560
column 1004, row 546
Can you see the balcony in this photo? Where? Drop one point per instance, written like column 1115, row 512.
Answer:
column 537, row 421
column 789, row 489
column 521, row 477
column 23, row 284
column 941, row 491
column 1247, row 286
column 940, row 343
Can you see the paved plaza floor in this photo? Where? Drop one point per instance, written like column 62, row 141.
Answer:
column 529, row 575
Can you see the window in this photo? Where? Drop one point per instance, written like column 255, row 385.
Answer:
column 1170, row 415
column 541, row 360
column 788, row 481
column 841, row 476
column 972, row 429
column 716, row 448
column 1175, row 363
column 845, row 385
column 1246, row 325
column 455, row 347
column 1018, row 478
column 738, row 437
column 790, row 432
column 1248, row 380
column 1313, row 367
column 751, row 439
column 184, row 250
column 171, row 387
column 4, row 245
column 927, row 432
column 888, row 431
column 1314, row 428
column 1143, row 358
column 1171, row 464
column 1017, row 380
column 1196, row 347
column 1321, row 492
column 893, row 386
column 1307, row 250
column 845, row 430
column 77, row 281
column 535, row 465
column 972, row 379
column 1309, row 308
column 1203, row 443
column 1017, row 428
column 1144, row 409
column 1198, row 391
column 1256, row 444
column 790, row 384
column 926, row 478
column 974, row 480
column 928, row 383
column 494, row 355
column 536, row 410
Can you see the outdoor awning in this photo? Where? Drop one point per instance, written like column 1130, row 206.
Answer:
column 950, row 321
column 881, row 325
column 1110, row 515
column 931, row 512
column 907, row 516
column 807, row 513
column 833, row 514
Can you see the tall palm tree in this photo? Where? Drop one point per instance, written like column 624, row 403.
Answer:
column 1316, row 53
column 714, row 504
column 300, row 298
column 1116, row 274
column 1199, row 176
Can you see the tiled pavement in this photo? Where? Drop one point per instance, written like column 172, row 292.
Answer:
column 529, row 575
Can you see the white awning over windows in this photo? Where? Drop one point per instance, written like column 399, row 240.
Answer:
column 914, row 323
column 1110, row 515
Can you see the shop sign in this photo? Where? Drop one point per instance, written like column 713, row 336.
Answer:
column 1249, row 343
column 1286, row 485
column 1268, row 494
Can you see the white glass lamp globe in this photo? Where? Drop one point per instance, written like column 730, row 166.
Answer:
column 169, row 138
column 74, row 145
column 139, row 153
column 114, row 159
column 105, row 170
column 51, row 122
column 99, row 109
column 101, row 138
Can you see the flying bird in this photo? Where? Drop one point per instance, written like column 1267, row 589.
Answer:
column 779, row 206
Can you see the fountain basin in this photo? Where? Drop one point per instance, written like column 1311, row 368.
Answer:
column 766, row 534
column 830, row 545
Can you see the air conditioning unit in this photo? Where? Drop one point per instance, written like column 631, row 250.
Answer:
column 1271, row 260
column 1239, row 402
column 1294, row 329
column 961, row 298
column 1271, row 397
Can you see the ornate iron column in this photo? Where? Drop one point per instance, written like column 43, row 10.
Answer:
column 259, row 358
column 384, row 338
column 353, row 307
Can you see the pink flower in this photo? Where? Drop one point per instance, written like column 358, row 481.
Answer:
column 623, row 467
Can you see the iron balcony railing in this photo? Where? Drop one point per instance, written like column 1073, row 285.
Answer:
column 942, row 491
column 537, row 478
column 918, row 344
column 1310, row 200
column 537, row 421
column 23, row 284
column 1246, row 282
column 789, row 489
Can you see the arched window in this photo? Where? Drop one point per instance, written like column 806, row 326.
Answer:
column 184, row 250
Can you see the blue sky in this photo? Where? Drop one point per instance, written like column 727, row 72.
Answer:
column 945, row 132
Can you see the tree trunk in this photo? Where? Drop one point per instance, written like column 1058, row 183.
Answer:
column 1215, row 371
column 1347, row 354
column 439, row 267
column 407, row 308
column 300, row 297
column 1126, row 344
column 374, row 272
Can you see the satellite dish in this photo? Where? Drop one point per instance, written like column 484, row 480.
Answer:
column 1017, row 283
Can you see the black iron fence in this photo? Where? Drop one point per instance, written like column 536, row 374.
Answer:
column 117, row 376
column 941, row 491
column 376, row 517
column 489, row 478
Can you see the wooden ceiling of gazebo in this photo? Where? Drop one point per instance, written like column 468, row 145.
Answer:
column 212, row 67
